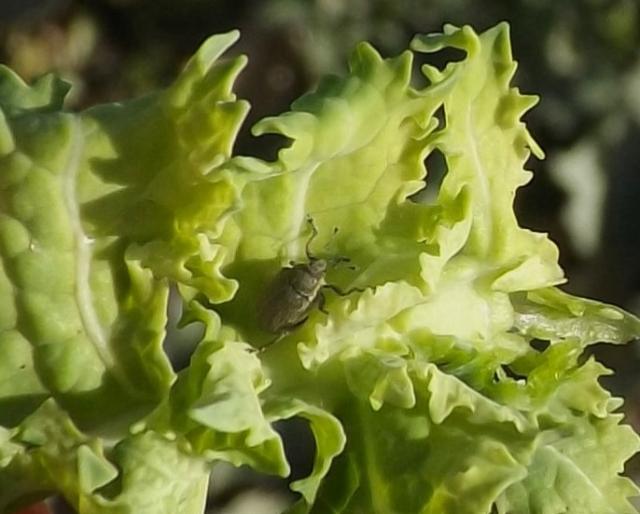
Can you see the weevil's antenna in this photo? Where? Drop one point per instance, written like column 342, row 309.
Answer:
column 333, row 236
column 334, row 261
column 339, row 259
column 314, row 233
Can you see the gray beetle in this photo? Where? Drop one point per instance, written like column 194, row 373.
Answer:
column 295, row 291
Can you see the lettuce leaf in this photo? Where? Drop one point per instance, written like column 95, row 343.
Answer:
column 425, row 386
column 445, row 404
column 84, row 289
column 51, row 454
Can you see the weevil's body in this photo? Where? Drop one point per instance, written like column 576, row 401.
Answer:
column 291, row 295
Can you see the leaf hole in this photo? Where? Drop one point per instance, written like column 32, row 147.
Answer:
column 540, row 345
column 232, row 488
column 440, row 60
column 58, row 505
column 265, row 147
column 229, row 485
column 441, row 115
column 299, row 446
column 436, row 166
column 622, row 361
column 180, row 341
column 511, row 373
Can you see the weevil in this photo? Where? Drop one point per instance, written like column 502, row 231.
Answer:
column 295, row 291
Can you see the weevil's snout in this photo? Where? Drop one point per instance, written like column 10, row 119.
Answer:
column 318, row 267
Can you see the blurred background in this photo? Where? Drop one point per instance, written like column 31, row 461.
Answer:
column 581, row 57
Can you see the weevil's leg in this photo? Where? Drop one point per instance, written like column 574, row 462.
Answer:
column 332, row 238
column 291, row 328
column 314, row 233
column 276, row 339
column 285, row 332
column 320, row 299
column 340, row 292
column 339, row 259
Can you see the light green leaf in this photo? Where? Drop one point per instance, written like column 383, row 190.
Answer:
column 51, row 454
column 358, row 145
column 453, row 452
column 329, row 439
column 216, row 403
column 554, row 315
column 156, row 475
column 422, row 385
column 575, row 471
column 99, row 210
column 486, row 145
column 441, row 327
